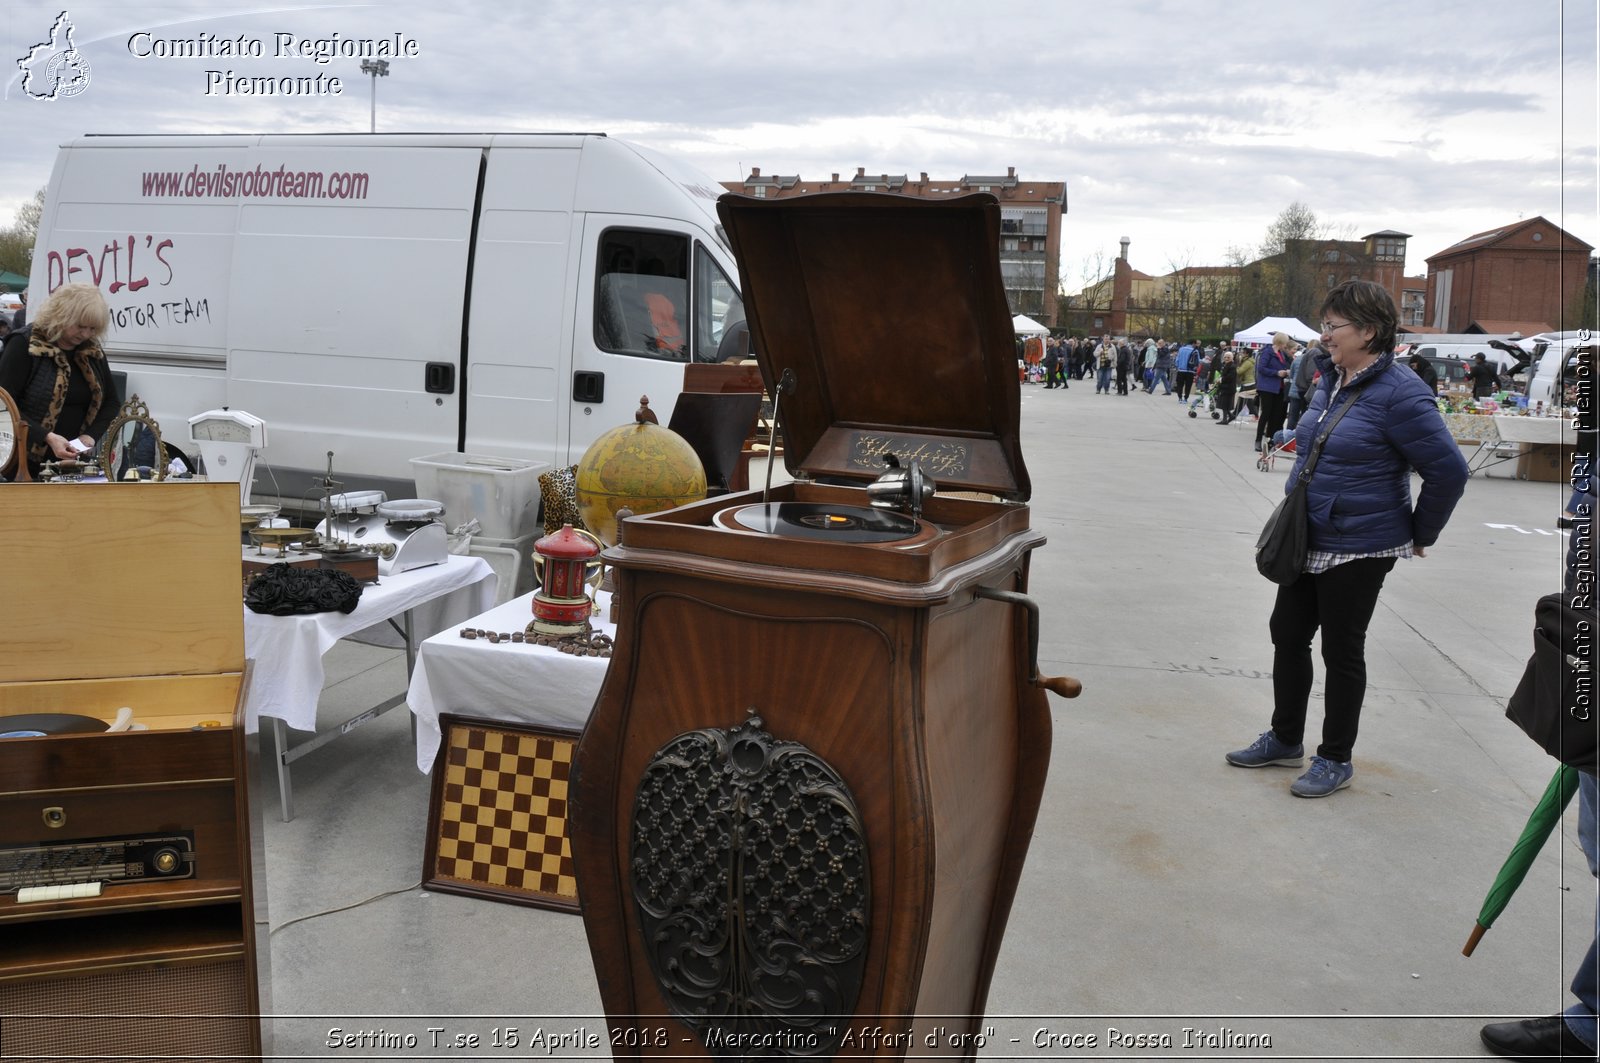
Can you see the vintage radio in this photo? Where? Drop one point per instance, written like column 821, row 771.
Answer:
column 803, row 799
column 127, row 902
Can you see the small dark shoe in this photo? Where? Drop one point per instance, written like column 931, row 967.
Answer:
column 1531, row 1039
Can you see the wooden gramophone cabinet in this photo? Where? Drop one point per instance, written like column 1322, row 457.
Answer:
column 803, row 800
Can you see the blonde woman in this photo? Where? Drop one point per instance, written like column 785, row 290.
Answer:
column 56, row 371
column 1272, row 385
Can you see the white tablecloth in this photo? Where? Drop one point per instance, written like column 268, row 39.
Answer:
column 1515, row 429
column 287, row 650
column 511, row 682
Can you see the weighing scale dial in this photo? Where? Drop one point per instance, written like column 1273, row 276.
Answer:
column 228, row 426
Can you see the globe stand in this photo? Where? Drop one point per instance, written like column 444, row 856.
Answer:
column 608, row 584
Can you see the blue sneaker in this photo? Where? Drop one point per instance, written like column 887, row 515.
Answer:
column 1323, row 778
column 1267, row 751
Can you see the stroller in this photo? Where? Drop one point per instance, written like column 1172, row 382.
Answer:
column 1281, row 445
column 1204, row 400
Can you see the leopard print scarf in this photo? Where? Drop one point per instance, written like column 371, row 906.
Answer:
column 85, row 356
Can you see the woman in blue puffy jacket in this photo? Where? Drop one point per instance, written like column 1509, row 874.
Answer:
column 1360, row 521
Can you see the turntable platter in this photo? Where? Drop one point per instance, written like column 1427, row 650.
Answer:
column 814, row 520
column 48, row 723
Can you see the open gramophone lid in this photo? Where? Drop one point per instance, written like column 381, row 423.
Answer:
column 35, row 724
column 411, row 509
column 890, row 311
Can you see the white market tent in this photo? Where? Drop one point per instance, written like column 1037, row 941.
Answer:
column 1023, row 325
column 1261, row 332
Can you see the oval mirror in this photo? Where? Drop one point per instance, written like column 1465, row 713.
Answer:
column 13, row 440
column 133, row 445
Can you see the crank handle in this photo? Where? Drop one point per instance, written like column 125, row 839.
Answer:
column 1064, row 685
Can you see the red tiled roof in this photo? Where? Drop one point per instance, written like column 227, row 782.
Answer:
column 1492, row 236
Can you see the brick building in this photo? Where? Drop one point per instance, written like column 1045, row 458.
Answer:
column 1030, row 221
column 1527, row 276
column 1215, row 300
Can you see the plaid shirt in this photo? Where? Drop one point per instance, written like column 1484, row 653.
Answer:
column 1319, row 561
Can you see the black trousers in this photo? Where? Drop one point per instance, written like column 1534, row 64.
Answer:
column 1185, row 385
column 1340, row 602
column 1272, row 411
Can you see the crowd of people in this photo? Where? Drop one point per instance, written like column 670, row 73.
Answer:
column 1271, row 383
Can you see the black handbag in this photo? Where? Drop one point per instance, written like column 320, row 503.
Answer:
column 1554, row 703
column 1281, row 549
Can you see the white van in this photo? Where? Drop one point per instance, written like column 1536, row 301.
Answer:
column 386, row 297
column 1459, row 349
column 1556, row 357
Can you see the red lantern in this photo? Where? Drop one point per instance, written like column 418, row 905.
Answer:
column 562, row 604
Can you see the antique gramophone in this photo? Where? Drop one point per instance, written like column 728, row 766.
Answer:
column 802, row 802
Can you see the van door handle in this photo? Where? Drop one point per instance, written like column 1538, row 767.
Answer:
column 439, row 378
column 588, row 386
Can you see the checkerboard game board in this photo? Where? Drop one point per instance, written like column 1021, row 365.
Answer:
column 497, row 823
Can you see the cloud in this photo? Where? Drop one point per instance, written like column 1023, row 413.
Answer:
column 1453, row 104
column 1181, row 123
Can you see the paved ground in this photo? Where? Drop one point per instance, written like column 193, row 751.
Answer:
column 1165, row 890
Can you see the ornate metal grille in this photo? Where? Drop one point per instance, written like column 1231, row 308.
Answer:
column 750, row 873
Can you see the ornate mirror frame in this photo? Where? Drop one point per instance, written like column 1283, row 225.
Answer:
column 134, row 411
column 14, row 466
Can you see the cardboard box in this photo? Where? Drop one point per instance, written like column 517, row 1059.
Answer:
column 1545, row 463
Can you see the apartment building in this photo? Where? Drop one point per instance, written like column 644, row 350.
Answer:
column 1030, row 221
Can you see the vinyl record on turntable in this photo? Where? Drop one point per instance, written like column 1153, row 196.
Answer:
column 35, row 724
column 813, row 520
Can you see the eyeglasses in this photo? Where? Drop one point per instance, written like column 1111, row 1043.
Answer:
column 1328, row 327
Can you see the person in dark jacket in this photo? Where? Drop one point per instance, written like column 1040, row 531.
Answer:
column 1485, row 377
column 57, row 373
column 1227, row 383
column 1302, row 371
column 1360, row 520
column 1425, row 370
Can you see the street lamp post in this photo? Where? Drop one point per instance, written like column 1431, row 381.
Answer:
column 378, row 68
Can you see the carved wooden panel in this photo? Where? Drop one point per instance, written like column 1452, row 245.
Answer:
column 749, row 869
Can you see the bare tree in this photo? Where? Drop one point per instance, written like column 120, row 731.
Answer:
column 1295, row 222
column 1096, row 277
column 1296, row 252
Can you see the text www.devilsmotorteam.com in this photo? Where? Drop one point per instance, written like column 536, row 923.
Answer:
column 226, row 183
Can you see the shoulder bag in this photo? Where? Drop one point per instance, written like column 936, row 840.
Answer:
column 1281, row 549
column 1554, row 702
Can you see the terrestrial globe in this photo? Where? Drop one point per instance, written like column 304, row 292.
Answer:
column 641, row 467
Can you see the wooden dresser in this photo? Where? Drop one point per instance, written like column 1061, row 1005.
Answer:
column 126, row 595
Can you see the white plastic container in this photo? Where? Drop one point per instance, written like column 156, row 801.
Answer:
column 503, row 493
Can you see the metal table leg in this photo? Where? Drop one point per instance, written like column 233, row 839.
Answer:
column 280, row 754
column 285, row 756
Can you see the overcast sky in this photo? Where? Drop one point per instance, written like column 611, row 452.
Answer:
column 1185, row 125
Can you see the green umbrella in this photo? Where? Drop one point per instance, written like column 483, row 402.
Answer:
column 1546, row 814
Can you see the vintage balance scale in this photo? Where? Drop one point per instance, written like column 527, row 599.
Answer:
column 803, row 799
